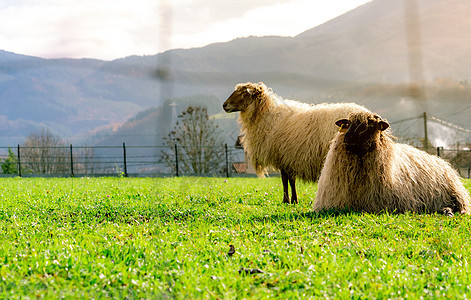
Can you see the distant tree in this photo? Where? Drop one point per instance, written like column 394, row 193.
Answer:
column 45, row 153
column 10, row 164
column 198, row 141
column 426, row 145
column 86, row 161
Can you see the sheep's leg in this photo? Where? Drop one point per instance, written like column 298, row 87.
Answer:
column 294, row 196
column 284, row 179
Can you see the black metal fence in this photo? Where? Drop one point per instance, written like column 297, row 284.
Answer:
column 149, row 161
column 135, row 161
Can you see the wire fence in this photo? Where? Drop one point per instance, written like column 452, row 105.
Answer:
column 460, row 159
column 135, row 161
column 150, row 161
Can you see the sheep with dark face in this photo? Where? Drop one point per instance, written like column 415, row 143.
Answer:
column 286, row 135
column 365, row 170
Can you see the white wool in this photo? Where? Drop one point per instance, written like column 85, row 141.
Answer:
column 288, row 135
column 393, row 177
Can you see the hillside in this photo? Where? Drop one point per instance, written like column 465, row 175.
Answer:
column 150, row 126
column 37, row 93
column 368, row 55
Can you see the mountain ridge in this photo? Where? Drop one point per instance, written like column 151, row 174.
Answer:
column 361, row 56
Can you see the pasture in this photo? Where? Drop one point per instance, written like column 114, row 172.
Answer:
column 136, row 238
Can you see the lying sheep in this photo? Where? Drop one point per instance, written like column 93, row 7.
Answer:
column 365, row 170
column 286, row 135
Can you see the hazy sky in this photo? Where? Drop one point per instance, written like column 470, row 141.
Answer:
column 109, row 29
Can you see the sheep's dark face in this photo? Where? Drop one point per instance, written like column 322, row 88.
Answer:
column 241, row 98
column 361, row 134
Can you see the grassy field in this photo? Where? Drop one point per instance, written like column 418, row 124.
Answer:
column 169, row 238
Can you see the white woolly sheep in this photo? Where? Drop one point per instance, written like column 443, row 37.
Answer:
column 365, row 170
column 286, row 135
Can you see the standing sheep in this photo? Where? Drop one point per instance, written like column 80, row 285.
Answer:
column 365, row 170
column 287, row 135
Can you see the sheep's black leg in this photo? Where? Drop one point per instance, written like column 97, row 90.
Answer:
column 284, row 179
column 287, row 178
column 294, row 196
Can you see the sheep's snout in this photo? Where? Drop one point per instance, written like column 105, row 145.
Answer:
column 359, row 142
column 227, row 107
column 234, row 103
column 357, row 149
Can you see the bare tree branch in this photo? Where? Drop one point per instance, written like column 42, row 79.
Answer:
column 200, row 149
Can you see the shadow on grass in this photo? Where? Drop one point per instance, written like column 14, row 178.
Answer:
column 334, row 213
column 105, row 213
column 326, row 214
column 163, row 213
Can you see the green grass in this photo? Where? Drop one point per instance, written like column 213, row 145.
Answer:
column 168, row 238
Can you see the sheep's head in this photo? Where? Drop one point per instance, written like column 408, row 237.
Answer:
column 361, row 132
column 244, row 95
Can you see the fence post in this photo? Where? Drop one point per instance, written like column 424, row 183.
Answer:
column 125, row 163
column 176, row 160
column 227, row 160
column 71, row 162
column 438, row 151
column 19, row 161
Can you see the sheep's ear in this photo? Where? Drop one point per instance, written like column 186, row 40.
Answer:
column 382, row 125
column 342, row 122
column 250, row 91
